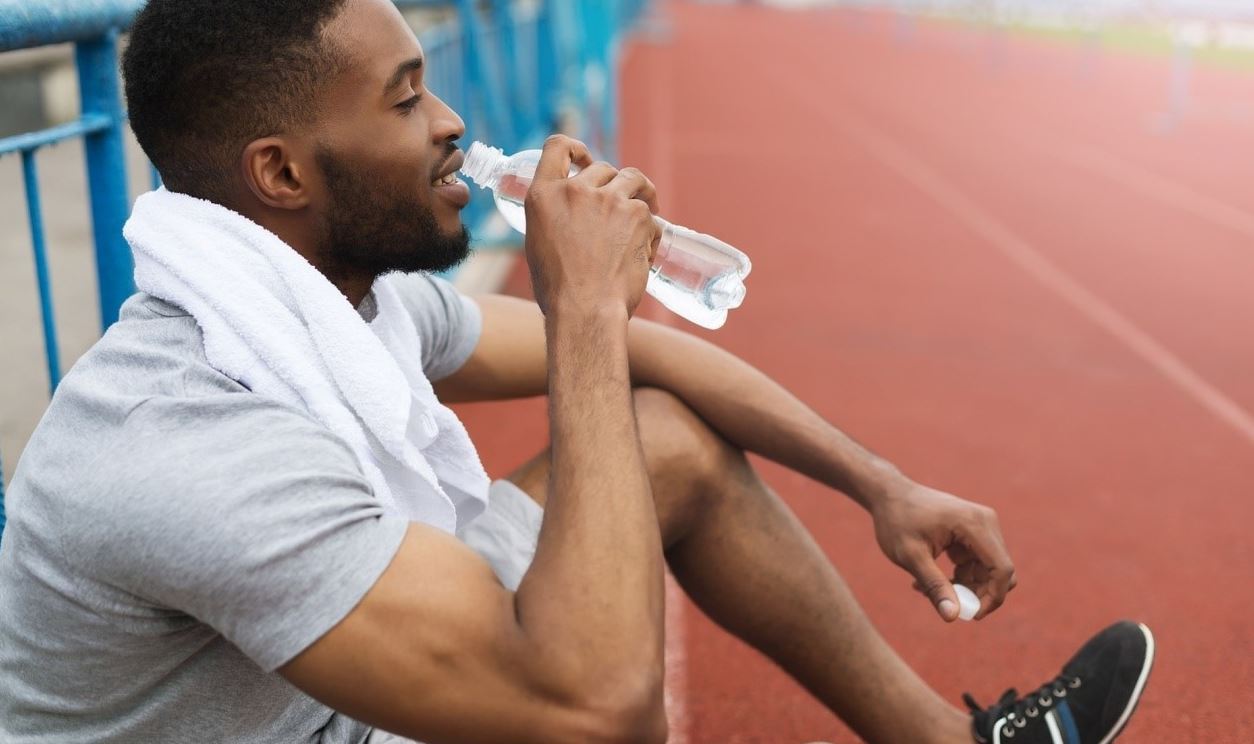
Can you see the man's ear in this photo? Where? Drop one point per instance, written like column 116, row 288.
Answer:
column 274, row 173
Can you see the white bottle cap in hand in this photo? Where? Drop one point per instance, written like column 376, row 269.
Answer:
column 968, row 603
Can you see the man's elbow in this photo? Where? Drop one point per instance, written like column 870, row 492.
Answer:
column 633, row 714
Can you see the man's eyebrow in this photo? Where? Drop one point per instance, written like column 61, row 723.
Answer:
column 402, row 71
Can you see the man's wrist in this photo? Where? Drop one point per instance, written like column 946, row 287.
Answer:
column 574, row 316
column 586, row 339
column 878, row 482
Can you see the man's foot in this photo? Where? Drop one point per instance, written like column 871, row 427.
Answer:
column 1088, row 703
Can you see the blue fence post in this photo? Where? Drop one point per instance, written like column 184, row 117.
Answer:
column 507, row 62
column 594, row 37
column 52, row 354
column 547, row 75
column 612, row 40
column 568, row 78
column 106, row 171
column 480, row 75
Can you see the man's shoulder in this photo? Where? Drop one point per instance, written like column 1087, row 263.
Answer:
column 154, row 347
column 144, row 413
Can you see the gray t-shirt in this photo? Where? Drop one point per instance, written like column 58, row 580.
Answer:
column 173, row 539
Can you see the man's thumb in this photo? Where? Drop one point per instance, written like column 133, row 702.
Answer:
column 937, row 588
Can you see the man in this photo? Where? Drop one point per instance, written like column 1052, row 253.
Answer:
column 192, row 558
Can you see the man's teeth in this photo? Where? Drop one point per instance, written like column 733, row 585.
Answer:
column 448, row 180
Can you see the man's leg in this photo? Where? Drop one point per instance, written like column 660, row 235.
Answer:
column 747, row 561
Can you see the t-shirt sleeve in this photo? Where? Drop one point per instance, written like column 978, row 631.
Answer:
column 449, row 323
column 242, row 513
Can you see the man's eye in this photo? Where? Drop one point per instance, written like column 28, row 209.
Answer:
column 408, row 104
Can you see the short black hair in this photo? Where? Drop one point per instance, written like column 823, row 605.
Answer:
column 206, row 77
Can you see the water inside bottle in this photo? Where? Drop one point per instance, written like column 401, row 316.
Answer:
column 509, row 196
column 696, row 276
column 682, row 303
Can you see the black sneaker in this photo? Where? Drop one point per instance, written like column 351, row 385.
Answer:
column 1089, row 703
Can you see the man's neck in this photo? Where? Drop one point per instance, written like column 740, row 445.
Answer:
column 354, row 288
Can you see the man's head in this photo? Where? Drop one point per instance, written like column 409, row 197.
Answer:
column 310, row 117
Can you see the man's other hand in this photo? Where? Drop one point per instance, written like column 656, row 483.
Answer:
column 914, row 524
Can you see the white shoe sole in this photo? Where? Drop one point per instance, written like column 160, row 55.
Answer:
column 1136, row 691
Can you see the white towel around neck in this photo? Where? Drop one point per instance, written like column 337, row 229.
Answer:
column 275, row 324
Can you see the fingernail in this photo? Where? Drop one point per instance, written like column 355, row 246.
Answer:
column 948, row 608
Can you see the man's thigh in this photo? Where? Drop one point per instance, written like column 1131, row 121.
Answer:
column 532, row 477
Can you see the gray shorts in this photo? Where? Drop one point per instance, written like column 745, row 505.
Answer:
column 505, row 535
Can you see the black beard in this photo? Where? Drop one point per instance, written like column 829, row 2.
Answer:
column 372, row 231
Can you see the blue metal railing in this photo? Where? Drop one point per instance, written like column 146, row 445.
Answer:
column 510, row 70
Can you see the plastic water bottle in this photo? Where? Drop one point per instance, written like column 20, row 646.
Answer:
column 694, row 275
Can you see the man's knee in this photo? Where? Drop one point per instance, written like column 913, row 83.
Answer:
column 678, row 443
column 688, row 461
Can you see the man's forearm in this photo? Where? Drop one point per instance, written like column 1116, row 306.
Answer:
column 755, row 413
column 596, row 584
column 741, row 403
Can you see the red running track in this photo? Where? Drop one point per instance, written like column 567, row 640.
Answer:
column 1001, row 264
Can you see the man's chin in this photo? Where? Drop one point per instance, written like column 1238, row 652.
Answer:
column 453, row 250
column 452, row 228
column 453, row 264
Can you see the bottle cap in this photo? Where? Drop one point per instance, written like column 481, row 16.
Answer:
column 968, row 603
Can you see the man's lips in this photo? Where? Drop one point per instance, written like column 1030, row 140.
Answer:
column 448, row 186
column 457, row 192
column 451, row 165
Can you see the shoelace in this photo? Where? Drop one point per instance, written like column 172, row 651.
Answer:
column 1020, row 710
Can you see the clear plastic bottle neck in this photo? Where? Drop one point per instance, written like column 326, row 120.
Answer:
column 484, row 164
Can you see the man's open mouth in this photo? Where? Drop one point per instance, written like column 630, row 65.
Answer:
column 449, row 175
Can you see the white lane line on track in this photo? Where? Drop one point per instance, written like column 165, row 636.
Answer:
column 1028, row 258
column 676, row 681
column 1164, row 190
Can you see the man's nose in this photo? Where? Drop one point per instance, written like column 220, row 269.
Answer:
column 447, row 125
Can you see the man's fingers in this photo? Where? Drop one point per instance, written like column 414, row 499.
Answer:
column 931, row 581
column 597, row 174
column 985, row 542
column 633, row 184
column 561, row 152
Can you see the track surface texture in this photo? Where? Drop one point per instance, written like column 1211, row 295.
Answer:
column 1007, row 265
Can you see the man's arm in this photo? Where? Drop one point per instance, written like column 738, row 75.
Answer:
column 914, row 524
column 438, row 650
